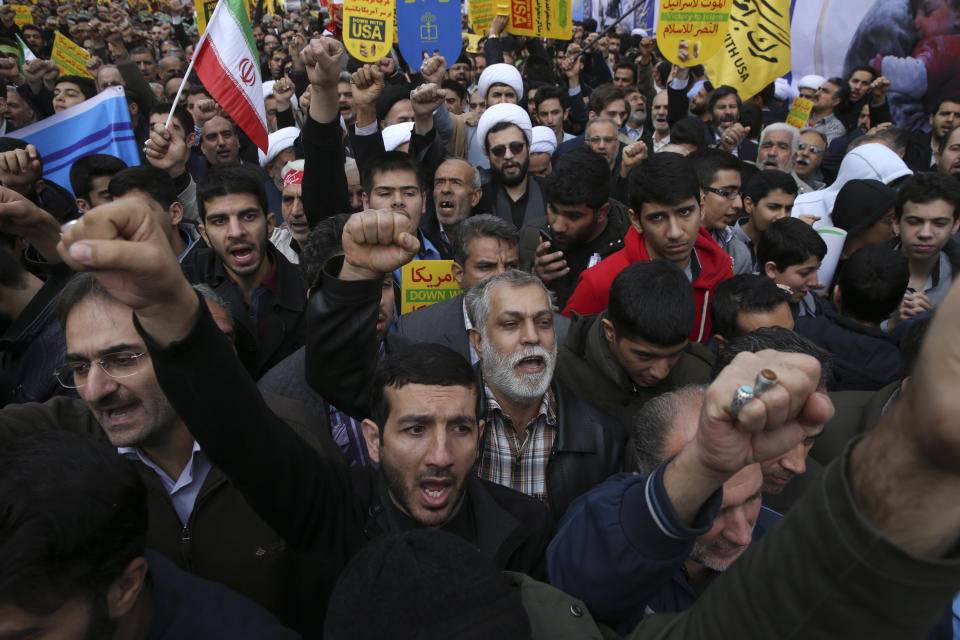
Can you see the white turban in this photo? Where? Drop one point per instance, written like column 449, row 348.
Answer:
column 544, row 140
column 268, row 91
column 500, row 73
column 811, row 81
column 396, row 134
column 279, row 140
column 504, row 112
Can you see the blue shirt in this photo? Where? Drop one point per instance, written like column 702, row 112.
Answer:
column 184, row 490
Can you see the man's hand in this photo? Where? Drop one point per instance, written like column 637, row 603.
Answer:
column 322, row 59
column 20, row 168
column 425, row 99
column 50, row 74
column 879, row 88
column 206, row 109
column 913, row 304
column 93, row 65
column 20, row 217
column 282, row 92
column 572, row 64
column 498, row 25
column 632, row 155
column 367, row 84
column 733, row 137
column 376, row 242
column 166, row 150
column 647, row 46
column 549, row 266
column 33, row 72
column 123, row 245
column 433, row 69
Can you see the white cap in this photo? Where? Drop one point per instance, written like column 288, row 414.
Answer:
column 268, row 91
column 544, row 140
column 500, row 73
column 279, row 140
column 811, row 81
column 396, row 134
column 504, row 112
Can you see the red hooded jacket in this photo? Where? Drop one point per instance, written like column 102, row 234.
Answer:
column 593, row 289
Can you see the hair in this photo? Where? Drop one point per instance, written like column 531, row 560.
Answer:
column 195, row 90
column 86, row 85
column 624, row 64
column 751, row 116
column 94, row 165
column 707, row 162
column 894, row 137
column 662, row 71
column 592, row 121
column 227, row 179
column 324, row 241
column 603, row 96
column 156, row 183
column 424, row 363
column 73, row 516
column 778, row 339
column 207, row 293
column 654, row 421
column 180, row 113
column 946, row 138
column 580, row 176
column 862, row 67
column 721, row 92
column 482, row 226
column 478, row 298
column 789, row 241
column 688, row 130
column 822, row 135
column 784, row 127
column 456, row 87
column 141, row 50
column 344, row 77
column 745, row 292
column 30, row 27
column 843, row 88
column 664, row 178
column 392, row 161
column 652, row 300
column 500, row 126
column 922, row 188
column 872, row 283
column 763, row 182
column 911, row 343
column 548, row 92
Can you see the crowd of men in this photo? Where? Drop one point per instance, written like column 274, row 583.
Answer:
column 216, row 423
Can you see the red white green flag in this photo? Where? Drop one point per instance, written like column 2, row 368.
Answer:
column 228, row 65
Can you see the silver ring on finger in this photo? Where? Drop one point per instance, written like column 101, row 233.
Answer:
column 741, row 397
column 765, row 381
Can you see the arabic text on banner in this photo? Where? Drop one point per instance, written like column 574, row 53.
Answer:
column 368, row 28
column 69, row 56
column 541, row 18
column 700, row 24
column 426, row 282
column 799, row 112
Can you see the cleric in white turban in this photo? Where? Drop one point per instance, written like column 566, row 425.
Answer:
column 544, row 140
column 396, row 135
column 504, row 112
column 500, row 73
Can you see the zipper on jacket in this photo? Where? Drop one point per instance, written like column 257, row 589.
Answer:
column 186, row 545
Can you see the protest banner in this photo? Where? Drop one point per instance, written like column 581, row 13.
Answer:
column 756, row 50
column 691, row 31
column 481, row 13
column 473, row 41
column 70, row 57
column 426, row 282
column 799, row 112
column 368, row 28
column 541, row 18
column 22, row 15
column 429, row 26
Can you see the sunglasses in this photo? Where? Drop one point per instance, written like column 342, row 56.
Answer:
column 813, row 148
column 501, row 149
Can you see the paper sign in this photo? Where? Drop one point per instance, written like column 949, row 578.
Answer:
column 368, row 28
column 481, row 14
column 69, row 56
column 696, row 27
column 205, row 10
column 429, row 26
column 426, row 282
column 834, row 238
column 22, row 15
column 541, row 18
column 473, row 41
column 799, row 112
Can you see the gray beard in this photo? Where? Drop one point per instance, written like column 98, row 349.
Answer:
column 498, row 372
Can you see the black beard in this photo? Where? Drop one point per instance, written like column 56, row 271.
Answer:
column 512, row 181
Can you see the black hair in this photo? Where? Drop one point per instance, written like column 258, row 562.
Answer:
column 424, row 363
column 751, row 115
column 500, row 126
column 94, row 165
column 603, row 96
column 80, row 287
column 664, row 178
column 86, row 85
column 73, row 516
column 768, row 94
column 862, row 67
column 707, row 162
column 537, row 68
column 623, row 64
column 843, row 88
column 778, row 339
column 953, row 97
column 662, row 71
column 195, row 90
column 227, row 179
column 946, row 139
column 721, row 92
column 180, row 113
column 456, row 87
column 745, row 292
column 872, row 283
column 789, row 241
column 392, row 161
column 911, row 343
column 324, row 241
column 763, row 182
column 688, row 130
column 922, row 188
column 580, row 176
column 139, row 50
column 652, row 300
column 546, row 93
column 482, row 226
column 154, row 182
column 31, row 27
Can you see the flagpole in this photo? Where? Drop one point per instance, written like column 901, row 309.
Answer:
column 186, row 74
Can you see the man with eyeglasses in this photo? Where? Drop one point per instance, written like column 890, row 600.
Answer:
column 719, row 176
column 809, row 156
column 601, row 136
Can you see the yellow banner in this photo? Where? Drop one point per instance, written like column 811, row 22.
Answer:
column 368, row 28
column 691, row 31
column 22, row 15
column 426, row 282
column 756, row 50
column 473, row 41
column 69, row 56
column 481, row 14
column 541, row 18
column 799, row 112
column 205, row 10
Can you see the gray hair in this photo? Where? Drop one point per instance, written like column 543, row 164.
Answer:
column 207, row 293
column 655, row 421
column 819, row 133
column 893, row 137
column 350, row 163
column 344, row 76
column 786, row 128
column 484, row 225
column 616, row 127
column 478, row 298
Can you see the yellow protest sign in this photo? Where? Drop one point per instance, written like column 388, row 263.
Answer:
column 69, row 56
column 541, row 18
column 691, row 31
column 368, row 27
column 205, row 10
column 756, row 50
column 21, row 15
column 481, row 14
column 799, row 112
column 426, row 282
column 473, row 41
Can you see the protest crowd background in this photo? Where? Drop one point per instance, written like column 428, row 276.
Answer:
column 527, row 320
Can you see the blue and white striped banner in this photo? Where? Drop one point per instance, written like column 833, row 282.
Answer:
column 98, row 125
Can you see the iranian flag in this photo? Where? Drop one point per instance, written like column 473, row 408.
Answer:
column 228, row 65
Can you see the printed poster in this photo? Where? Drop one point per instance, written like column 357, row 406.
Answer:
column 426, row 282
column 368, row 28
column 692, row 31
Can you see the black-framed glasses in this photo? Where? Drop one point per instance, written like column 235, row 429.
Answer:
column 501, row 149
column 729, row 195
column 813, row 148
column 603, row 139
column 121, row 364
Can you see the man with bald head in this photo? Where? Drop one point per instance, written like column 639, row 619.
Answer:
column 456, row 191
column 219, row 141
column 171, row 67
